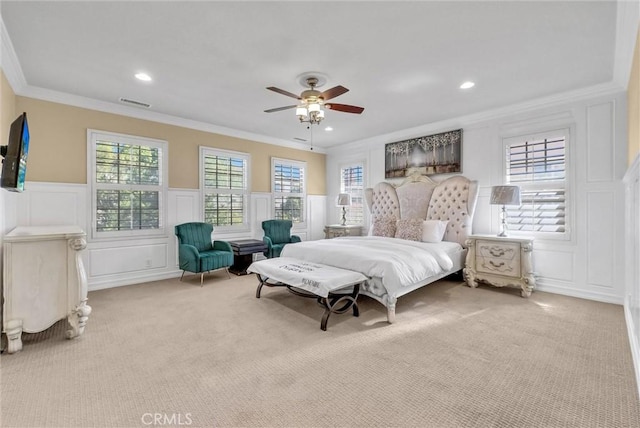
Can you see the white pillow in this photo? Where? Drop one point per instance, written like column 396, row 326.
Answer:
column 433, row 230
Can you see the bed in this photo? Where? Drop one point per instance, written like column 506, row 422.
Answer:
column 421, row 211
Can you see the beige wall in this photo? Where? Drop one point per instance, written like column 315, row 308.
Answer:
column 633, row 105
column 58, row 148
column 7, row 108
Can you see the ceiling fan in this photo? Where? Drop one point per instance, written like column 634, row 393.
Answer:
column 313, row 102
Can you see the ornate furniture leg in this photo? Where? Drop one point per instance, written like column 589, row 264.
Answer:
column 13, row 330
column 469, row 271
column 528, row 280
column 391, row 309
column 78, row 317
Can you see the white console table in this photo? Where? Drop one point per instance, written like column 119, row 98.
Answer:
column 44, row 281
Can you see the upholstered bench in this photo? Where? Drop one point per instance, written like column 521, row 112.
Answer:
column 335, row 289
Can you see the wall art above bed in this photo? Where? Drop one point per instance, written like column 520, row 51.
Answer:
column 431, row 154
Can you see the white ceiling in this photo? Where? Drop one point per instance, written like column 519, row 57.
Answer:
column 402, row 61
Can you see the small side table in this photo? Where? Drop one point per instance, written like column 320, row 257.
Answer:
column 500, row 261
column 243, row 251
column 335, row 230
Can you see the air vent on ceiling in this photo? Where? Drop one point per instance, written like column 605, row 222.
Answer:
column 134, row 102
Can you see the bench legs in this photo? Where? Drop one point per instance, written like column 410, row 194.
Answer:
column 335, row 303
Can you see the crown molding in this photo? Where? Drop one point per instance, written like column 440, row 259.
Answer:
column 600, row 90
column 9, row 61
column 627, row 21
column 138, row 113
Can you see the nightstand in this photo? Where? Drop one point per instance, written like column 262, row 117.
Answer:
column 500, row 261
column 335, row 230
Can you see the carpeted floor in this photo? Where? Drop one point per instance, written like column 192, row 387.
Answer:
column 175, row 354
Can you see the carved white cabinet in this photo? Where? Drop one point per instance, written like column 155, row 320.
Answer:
column 44, row 281
column 500, row 261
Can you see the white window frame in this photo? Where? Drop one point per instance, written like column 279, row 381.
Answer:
column 298, row 164
column 342, row 167
column 246, row 192
column 566, row 132
column 93, row 136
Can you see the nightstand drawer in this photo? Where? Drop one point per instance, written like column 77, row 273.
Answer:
column 336, row 230
column 498, row 258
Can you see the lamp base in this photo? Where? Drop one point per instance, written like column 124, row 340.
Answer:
column 503, row 223
column 344, row 217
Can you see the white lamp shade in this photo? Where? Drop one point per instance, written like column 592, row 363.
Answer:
column 505, row 195
column 344, row 200
column 301, row 111
column 314, row 107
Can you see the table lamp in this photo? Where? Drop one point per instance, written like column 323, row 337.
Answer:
column 344, row 200
column 505, row 195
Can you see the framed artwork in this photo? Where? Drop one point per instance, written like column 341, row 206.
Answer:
column 431, row 154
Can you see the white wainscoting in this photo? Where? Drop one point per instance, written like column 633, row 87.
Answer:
column 117, row 262
column 590, row 264
column 632, row 261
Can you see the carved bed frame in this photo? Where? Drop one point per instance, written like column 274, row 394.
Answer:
column 453, row 199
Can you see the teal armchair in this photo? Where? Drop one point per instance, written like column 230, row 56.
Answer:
column 196, row 252
column 277, row 234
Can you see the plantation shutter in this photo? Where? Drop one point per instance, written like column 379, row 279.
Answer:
column 538, row 167
column 128, row 185
column 289, row 190
column 225, row 189
column 352, row 182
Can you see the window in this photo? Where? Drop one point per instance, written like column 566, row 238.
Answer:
column 289, row 189
column 538, row 165
column 225, row 188
column 352, row 182
column 127, row 176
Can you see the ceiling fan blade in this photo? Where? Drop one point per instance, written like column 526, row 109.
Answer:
column 283, row 92
column 333, row 92
column 345, row 108
column 271, row 110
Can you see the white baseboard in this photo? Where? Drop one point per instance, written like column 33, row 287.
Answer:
column 122, row 280
column 559, row 288
column 633, row 343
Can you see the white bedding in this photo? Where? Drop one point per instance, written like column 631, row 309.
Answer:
column 398, row 262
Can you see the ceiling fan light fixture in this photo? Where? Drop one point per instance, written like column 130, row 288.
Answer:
column 301, row 112
column 314, row 107
column 311, row 102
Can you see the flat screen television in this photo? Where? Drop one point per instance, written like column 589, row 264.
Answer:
column 14, row 164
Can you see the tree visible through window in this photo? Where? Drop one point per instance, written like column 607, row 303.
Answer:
column 289, row 190
column 225, row 188
column 128, row 179
column 538, row 166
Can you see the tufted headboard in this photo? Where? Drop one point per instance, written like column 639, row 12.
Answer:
column 453, row 199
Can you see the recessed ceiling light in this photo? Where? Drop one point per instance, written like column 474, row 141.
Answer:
column 143, row 76
column 328, row 128
column 467, row 85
